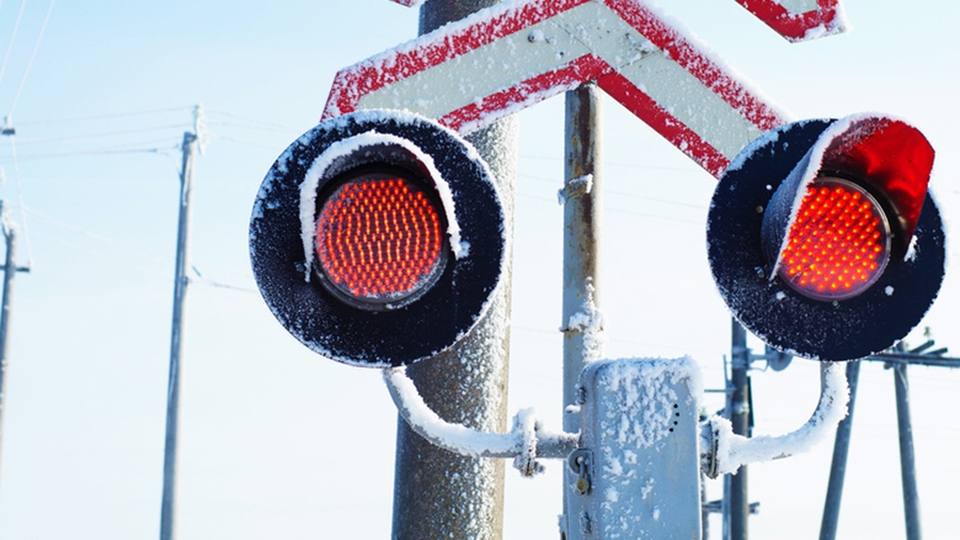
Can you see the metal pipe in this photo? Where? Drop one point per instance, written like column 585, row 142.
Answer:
column 908, row 473
column 736, row 518
column 724, row 452
column 914, row 359
column 838, row 467
column 526, row 436
column 581, row 323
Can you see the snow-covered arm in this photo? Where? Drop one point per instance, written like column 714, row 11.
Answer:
column 525, row 442
column 724, row 452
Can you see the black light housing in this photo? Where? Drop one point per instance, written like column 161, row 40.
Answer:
column 377, row 238
column 877, row 169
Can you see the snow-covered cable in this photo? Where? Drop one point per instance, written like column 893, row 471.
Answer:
column 525, row 441
column 724, row 452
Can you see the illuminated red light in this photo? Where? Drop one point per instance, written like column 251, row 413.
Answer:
column 839, row 243
column 380, row 239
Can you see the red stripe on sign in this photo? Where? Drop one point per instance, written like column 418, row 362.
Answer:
column 435, row 48
column 794, row 26
column 664, row 123
column 684, row 53
column 526, row 93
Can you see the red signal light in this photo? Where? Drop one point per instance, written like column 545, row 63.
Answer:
column 352, row 238
column 838, row 244
column 823, row 239
column 380, row 241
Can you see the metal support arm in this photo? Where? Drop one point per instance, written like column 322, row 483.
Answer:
column 525, row 442
column 724, row 452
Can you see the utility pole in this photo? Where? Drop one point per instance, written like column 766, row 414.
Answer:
column 908, row 475
column 10, row 270
column 169, row 500
column 838, row 465
column 437, row 492
column 896, row 359
column 736, row 501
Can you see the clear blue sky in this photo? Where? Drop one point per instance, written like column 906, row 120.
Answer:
column 278, row 442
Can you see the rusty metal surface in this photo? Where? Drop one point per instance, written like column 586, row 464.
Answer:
column 581, row 265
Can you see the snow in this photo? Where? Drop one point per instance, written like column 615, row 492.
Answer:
column 318, row 171
column 588, row 321
column 911, row 253
column 405, row 64
column 769, row 137
column 525, row 440
column 645, row 386
column 581, row 185
column 838, row 25
column 733, row 450
column 454, row 437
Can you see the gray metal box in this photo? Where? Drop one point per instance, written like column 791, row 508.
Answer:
column 638, row 452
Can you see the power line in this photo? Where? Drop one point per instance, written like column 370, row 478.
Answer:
column 264, row 124
column 106, row 116
column 155, row 258
column 102, row 135
column 160, row 150
column 13, row 37
column 33, row 54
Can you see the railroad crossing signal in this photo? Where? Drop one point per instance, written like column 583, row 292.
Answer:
column 516, row 54
column 822, row 237
column 377, row 238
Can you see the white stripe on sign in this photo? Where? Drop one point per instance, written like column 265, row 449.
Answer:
column 692, row 103
column 505, row 59
column 674, row 88
column 799, row 6
column 591, row 28
column 484, row 71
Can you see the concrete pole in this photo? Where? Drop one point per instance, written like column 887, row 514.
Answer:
column 581, row 265
column 169, row 500
column 439, row 494
column 9, row 271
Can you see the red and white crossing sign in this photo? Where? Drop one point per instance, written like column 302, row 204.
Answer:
column 513, row 55
column 798, row 20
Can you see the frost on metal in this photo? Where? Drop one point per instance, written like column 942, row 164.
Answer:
column 588, row 321
column 530, row 50
column 800, row 20
column 641, row 410
column 640, row 429
column 524, row 442
column 455, row 437
column 731, row 450
column 582, row 185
